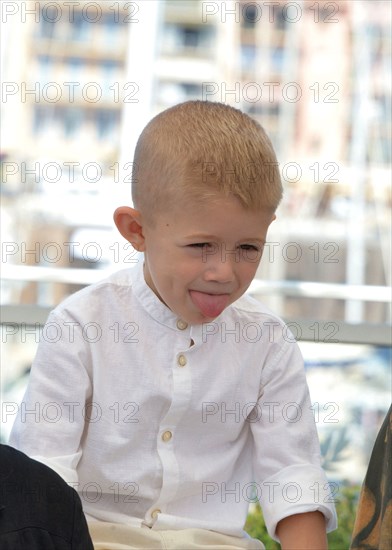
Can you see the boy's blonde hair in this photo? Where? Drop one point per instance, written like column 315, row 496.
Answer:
column 202, row 149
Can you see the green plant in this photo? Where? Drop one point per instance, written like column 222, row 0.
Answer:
column 346, row 507
column 339, row 539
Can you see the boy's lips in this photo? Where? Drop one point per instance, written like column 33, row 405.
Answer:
column 210, row 305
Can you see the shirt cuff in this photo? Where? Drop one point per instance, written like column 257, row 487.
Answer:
column 296, row 490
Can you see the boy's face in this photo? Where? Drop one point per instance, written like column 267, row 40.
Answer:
column 200, row 259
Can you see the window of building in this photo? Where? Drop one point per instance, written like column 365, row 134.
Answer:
column 248, row 56
column 251, row 13
column 177, row 38
column 80, row 28
column 107, row 124
column 277, row 59
column 112, row 30
column 42, row 118
column 191, row 90
column 75, row 67
column 47, row 21
column 45, row 64
column 281, row 20
column 190, row 37
column 72, row 119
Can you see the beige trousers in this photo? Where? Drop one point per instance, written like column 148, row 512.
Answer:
column 116, row 536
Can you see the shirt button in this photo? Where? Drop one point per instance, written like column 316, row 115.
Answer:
column 181, row 360
column 166, row 436
column 154, row 513
column 182, row 325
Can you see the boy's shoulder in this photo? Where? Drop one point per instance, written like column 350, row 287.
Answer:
column 115, row 285
column 249, row 308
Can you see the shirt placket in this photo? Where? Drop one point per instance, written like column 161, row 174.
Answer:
column 168, row 429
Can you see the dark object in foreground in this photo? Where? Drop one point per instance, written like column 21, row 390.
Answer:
column 38, row 510
column 372, row 529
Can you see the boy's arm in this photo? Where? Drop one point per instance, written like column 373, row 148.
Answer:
column 50, row 420
column 303, row 532
column 287, row 462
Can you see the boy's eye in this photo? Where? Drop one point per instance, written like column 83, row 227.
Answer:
column 199, row 245
column 249, row 247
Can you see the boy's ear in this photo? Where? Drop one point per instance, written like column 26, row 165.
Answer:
column 129, row 222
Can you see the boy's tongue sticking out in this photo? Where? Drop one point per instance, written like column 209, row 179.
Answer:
column 210, row 305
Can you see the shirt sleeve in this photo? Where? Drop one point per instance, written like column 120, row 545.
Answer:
column 51, row 417
column 287, row 462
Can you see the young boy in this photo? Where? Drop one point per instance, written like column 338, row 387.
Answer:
column 163, row 394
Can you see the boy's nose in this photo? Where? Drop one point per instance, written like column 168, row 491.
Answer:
column 220, row 270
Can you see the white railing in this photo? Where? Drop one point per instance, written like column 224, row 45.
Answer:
column 327, row 331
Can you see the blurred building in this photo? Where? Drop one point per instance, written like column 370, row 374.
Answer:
column 291, row 65
column 64, row 86
column 314, row 74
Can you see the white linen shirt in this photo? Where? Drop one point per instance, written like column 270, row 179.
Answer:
column 173, row 426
